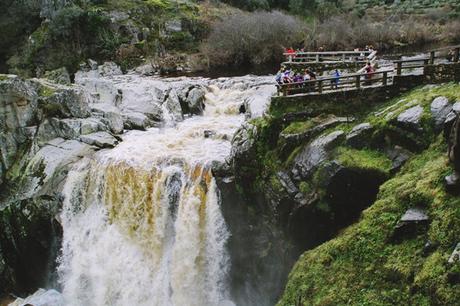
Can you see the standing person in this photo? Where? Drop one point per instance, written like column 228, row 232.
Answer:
column 335, row 81
column 279, row 76
column 369, row 72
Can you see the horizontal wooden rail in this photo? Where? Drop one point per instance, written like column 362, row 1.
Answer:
column 447, row 48
column 411, row 60
column 330, row 53
column 356, row 80
column 332, row 56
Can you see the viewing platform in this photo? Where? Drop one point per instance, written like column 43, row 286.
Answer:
column 432, row 68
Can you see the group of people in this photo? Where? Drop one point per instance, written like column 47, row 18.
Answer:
column 288, row 76
column 300, row 78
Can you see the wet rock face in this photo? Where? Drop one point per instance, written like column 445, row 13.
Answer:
column 261, row 253
column 359, row 135
column 29, row 242
column 315, row 153
column 243, row 151
column 18, row 111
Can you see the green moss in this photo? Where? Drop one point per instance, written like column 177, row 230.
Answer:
column 299, row 127
column 305, row 187
column 3, row 77
column 46, row 91
column 362, row 267
column 292, row 156
column 275, row 184
column 363, row 159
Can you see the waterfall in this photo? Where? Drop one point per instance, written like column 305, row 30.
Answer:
column 142, row 222
column 143, row 237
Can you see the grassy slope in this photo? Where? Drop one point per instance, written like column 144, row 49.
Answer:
column 361, row 266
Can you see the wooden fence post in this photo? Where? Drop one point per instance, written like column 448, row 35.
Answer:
column 398, row 68
column 456, row 54
column 320, row 86
column 425, row 63
column 317, row 57
column 343, row 57
column 432, row 54
column 385, row 78
column 358, row 81
column 285, row 91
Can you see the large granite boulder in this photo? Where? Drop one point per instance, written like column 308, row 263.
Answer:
column 100, row 139
column 410, row 118
column 195, row 100
column 64, row 101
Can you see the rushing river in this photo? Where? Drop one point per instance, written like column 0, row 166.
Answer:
column 142, row 222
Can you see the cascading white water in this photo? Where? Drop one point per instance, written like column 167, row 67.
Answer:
column 142, row 222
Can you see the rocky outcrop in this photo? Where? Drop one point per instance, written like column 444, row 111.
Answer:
column 243, row 151
column 290, row 140
column 314, row 154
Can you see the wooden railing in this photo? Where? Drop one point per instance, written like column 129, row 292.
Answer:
column 410, row 64
column 329, row 56
column 415, row 63
column 350, row 81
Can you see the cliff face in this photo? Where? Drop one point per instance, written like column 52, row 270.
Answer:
column 318, row 173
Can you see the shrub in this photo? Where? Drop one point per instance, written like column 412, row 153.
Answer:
column 253, row 38
column 348, row 31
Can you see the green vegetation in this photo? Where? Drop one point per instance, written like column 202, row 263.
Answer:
column 46, row 91
column 119, row 30
column 363, row 159
column 298, row 127
column 362, row 267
